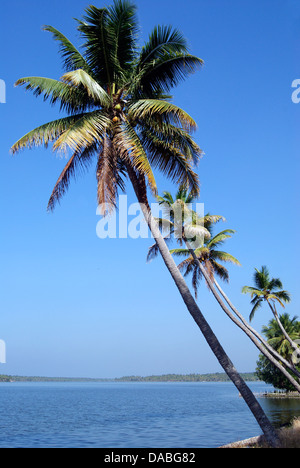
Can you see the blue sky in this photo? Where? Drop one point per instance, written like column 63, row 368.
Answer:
column 74, row 305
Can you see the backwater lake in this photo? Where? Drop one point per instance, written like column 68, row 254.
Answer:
column 132, row 415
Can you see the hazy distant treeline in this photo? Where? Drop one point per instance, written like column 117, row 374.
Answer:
column 216, row 377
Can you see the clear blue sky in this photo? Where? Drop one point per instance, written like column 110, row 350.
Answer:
column 74, row 305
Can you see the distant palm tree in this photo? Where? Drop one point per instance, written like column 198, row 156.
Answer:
column 277, row 338
column 268, row 290
column 116, row 98
column 210, row 257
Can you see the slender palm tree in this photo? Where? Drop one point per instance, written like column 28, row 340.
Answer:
column 268, row 290
column 118, row 112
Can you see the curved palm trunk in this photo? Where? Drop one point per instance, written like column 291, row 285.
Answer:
column 256, row 334
column 292, row 343
column 241, row 325
column 200, row 320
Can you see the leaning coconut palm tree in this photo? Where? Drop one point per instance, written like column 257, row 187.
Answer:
column 118, row 113
column 268, row 290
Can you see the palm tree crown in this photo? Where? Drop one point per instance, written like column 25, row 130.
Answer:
column 207, row 250
column 119, row 111
column 266, row 289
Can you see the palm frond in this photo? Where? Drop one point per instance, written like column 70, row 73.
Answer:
column 171, row 162
column 180, row 252
column 72, row 58
column 153, row 251
column 224, row 257
column 177, row 137
column 147, row 108
column 251, row 290
column 71, row 100
column 99, row 44
column 45, row 134
column 163, row 62
column 257, row 305
column 123, row 24
column 78, row 78
column 79, row 160
column 220, row 270
column 84, row 132
column 162, row 40
column 130, row 146
column 283, row 296
column 167, row 72
column 261, row 278
column 219, row 238
column 275, row 283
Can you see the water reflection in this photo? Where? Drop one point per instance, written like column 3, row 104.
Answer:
column 281, row 411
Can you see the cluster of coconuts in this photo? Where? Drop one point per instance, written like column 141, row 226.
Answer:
column 118, row 109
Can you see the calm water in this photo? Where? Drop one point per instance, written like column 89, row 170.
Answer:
column 130, row 415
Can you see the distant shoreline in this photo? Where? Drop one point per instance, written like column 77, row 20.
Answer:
column 215, row 377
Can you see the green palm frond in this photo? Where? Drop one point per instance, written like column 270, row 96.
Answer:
column 174, row 136
column 46, row 133
column 257, row 305
column 220, row 238
column 79, row 160
column 162, row 40
column 153, row 250
column 130, row 146
column 93, row 89
column 71, row 100
column 164, row 61
column 180, row 252
column 261, row 278
column 85, row 131
column 99, row 45
column 283, row 295
column 220, row 271
column 224, row 257
column 123, row 25
column 252, row 291
column 274, row 284
column 167, row 72
column 155, row 108
column 72, row 58
column 171, row 162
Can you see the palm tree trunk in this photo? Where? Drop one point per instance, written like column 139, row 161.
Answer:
column 292, row 343
column 242, row 326
column 200, row 320
column 256, row 334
